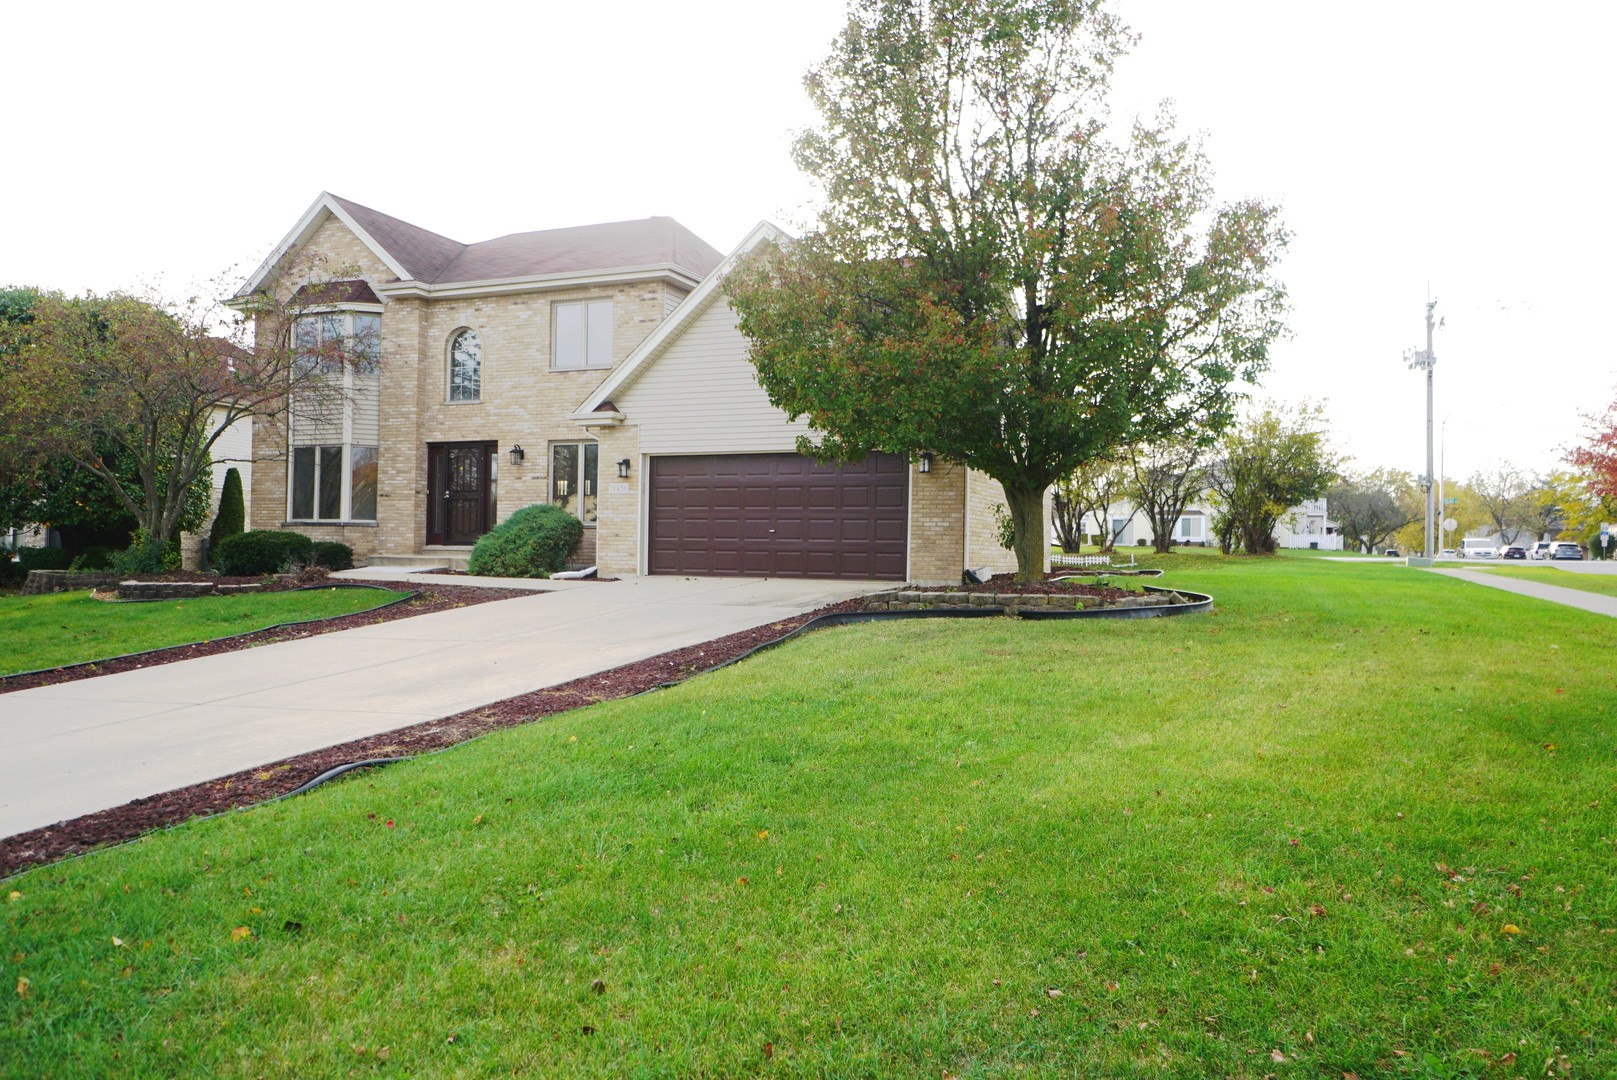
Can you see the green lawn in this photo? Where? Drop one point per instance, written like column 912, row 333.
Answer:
column 70, row 628
column 1354, row 820
column 1604, row 584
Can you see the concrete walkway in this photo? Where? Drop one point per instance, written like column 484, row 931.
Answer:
column 90, row 745
column 1588, row 601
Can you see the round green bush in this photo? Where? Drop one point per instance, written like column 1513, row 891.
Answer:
column 333, row 556
column 262, row 551
column 534, row 542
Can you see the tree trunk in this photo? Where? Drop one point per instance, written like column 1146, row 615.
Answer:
column 1027, row 517
column 1162, row 533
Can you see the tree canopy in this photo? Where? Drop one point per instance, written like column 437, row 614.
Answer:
column 1265, row 466
column 135, row 391
column 993, row 277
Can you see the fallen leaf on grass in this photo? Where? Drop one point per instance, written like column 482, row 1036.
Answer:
column 1315, row 911
column 1277, row 1057
column 241, row 932
column 1052, row 993
column 118, row 941
column 598, row 986
column 22, row 987
column 769, row 1050
column 13, row 896
column 1510, row 928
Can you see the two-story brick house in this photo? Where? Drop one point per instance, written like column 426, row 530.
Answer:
column 598, row 368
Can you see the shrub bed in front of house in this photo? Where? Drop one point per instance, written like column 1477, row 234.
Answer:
column 262, row 551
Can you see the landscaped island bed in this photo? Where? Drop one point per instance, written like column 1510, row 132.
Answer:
column 1347, row 822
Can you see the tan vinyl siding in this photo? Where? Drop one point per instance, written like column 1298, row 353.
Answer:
column 317, row 425
column 367, row 413
column 702, row 396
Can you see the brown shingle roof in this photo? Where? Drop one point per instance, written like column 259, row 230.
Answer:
column 438, row 260
column 424, row 254
column 354, row 291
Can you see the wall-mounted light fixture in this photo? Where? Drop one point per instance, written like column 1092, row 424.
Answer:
column 924, row 462
column 623, row 469
column 517, row 455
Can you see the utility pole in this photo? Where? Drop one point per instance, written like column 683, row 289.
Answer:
column 1424, row 360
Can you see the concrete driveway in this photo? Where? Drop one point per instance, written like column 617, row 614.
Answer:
column 94, row 744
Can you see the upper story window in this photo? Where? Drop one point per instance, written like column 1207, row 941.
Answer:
column 583, row 335
column 325, row 341
column 466, row 367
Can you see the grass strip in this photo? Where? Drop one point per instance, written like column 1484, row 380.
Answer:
column 43, row 632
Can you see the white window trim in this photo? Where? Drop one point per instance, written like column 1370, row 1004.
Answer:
column 584, row 339
column 449, row 366
column 550, row 482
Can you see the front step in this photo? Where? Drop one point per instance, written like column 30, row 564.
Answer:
column 426, row 561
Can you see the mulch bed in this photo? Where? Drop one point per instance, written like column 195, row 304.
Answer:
column 266, row 782
column 429, row 598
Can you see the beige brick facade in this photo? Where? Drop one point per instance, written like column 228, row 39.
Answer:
column 523, row 400
column 983, row 549
column 937, row 537
column 689, row 389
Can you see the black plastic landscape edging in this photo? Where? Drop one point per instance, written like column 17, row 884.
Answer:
column 231, row 637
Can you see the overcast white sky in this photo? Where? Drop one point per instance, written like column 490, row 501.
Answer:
column 1462, row 145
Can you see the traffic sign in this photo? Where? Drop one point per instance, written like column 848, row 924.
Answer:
column 1449, row 524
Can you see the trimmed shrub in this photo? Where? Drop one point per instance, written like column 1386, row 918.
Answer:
column 49, row 558
column 146, row 556
column 332, row 555
column 262, row 551
column 533, row 542
column 232, row 517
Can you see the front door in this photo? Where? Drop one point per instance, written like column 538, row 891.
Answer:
column 458, row 504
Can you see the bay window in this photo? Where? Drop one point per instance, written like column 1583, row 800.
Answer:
column 333, row 459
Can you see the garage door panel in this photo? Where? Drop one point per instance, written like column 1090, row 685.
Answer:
column 779, row 515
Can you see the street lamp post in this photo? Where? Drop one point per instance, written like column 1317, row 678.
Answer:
column 1425, row 360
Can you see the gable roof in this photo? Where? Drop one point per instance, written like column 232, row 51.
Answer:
column 657, row 342
column 427, row 259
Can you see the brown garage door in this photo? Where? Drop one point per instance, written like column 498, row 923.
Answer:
column 779, row 515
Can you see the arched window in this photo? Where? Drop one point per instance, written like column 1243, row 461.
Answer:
column 465, row 367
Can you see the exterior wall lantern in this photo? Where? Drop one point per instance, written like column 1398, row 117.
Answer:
column 623, row 469
column 924, row 462
column 517, row 455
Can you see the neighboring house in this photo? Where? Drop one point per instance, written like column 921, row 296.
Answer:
column 1308, row 526
column 1304, row 526
column 598, row 368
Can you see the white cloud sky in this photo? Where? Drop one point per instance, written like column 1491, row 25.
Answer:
column 1463, row 146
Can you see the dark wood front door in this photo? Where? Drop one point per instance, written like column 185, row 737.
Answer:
column 458, row 504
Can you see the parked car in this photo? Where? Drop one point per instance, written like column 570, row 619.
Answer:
column 1514, row 552
column 1540, row 550
column 1391, row 553
column 1447, row 553
column 1565, row 549
column 1477, row 549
